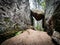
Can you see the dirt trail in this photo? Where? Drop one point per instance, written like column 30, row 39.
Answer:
column 30, row 37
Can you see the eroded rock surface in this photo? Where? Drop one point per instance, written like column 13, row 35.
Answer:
column 30, row 37
column 52, row 18
column 14, row 14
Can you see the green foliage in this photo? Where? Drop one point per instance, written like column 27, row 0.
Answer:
column 42, row 3
column 38, row 27
column 18, row 33
column 6, row 19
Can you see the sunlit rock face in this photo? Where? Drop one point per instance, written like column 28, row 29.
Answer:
column 14, row 14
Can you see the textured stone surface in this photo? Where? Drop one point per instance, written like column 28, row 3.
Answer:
column 52, row 15
column 56, row 37
column 30, row 37
column 14, row 15
column 52, row 18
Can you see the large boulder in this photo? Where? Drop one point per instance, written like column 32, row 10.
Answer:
column 30, row 37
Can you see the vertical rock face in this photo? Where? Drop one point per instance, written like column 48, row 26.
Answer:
column 48, row 14
column 52, row 17
column 14, row 14
column 51, row 14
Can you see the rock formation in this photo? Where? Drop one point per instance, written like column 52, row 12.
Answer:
column 14, row 15
column 30, row 37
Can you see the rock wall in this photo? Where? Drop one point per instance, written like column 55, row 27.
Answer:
column 52, row 18
column 14, row 15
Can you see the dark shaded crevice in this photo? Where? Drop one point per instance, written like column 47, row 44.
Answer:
column 54, row 42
